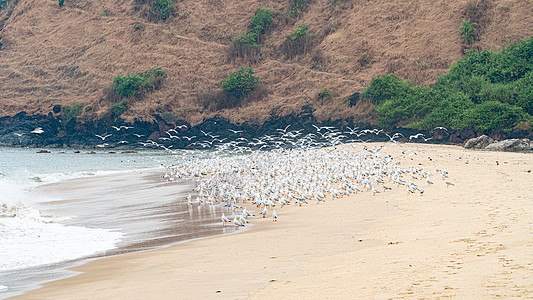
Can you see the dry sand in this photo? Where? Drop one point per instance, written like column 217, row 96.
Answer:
column 471, row 240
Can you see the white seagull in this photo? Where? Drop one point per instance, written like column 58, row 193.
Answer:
column 38, row 130
column 225, row 220
column 264, row 212
column 236, row 222
column 103, row 137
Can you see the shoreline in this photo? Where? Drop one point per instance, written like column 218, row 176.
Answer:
column 465, row 240
column 89, row 198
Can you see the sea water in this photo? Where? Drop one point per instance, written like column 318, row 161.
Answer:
column 60, row 207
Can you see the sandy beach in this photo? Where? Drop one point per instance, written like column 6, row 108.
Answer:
column 470, row 240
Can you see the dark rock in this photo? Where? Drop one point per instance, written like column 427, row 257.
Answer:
column 56, row 109
column 479, row 142
column 440, row 134
column 456, row 138
column 43, row 151
column 512, row 145
column 353, row 99
column 467, row 134
column 518, row 133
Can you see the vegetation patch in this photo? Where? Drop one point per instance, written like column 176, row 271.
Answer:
column 324, row 94
column 71, row 112
column 237, row 88
column 3, row 4
column 468, row 31
column 240, row 83
column 485, row 90
column 247, row 44
column 297, row 7
column 137, row 85
column 299, row 42
column 157, row 9
column 119, row 108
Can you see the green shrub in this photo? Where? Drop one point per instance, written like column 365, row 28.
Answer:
column 298, row 42
column 325, row 93
column 523, row 89
column 297, row 6
column 60, row 2
column 485, row 90
column 261, row 21
column 119, row 108
column 240, row 83
column 247, row 44
column 71, row 112
column 138, row 84
column 4, row 4
column 299, row 32
column 492, row 115
column 162, row 9
column 468, row 31
column 386, row 87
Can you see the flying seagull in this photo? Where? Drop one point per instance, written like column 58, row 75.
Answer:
column 38, row 130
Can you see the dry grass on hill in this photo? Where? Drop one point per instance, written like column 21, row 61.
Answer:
column 52, row 55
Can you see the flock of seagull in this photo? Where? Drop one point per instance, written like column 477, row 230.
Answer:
column 297, row 176
column 282, row 138
column 301, row 166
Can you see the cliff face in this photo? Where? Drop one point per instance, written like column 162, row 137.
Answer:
column 53, row 55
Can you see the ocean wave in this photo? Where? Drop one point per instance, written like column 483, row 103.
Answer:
column 30, row 239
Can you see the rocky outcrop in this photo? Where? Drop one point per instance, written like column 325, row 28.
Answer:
column 479, row 142
column 512, row 145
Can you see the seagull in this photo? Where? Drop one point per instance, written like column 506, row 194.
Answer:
column 264, row 212
column 181, row 126
column 225, row 220
column 138, row 135
column 416, row 136
column 18, row 134
column 121, row 127
column 236, row 222
column 38, row 130
column 274, row 215
column 242, row 219
column 246, row 213
column 284, row 130
column 440, row 128
column 103, row 137
column 447, row 182
column 236, row 131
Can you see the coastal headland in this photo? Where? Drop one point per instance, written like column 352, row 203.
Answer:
column 467, row 240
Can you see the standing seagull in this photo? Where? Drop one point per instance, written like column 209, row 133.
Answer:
column 264, row 212
column 225, row 220
column 236, row 222
column 274, row 215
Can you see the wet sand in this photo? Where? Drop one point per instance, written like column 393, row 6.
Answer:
column 148, row 211
column 471, row 240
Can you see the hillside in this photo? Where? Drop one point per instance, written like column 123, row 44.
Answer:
column 52, row 55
